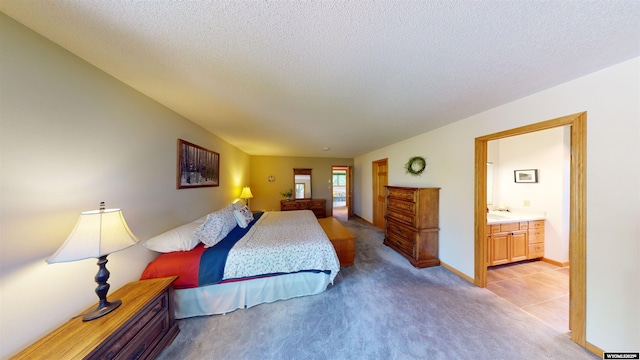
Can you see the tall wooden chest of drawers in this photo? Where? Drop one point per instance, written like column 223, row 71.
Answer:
column 411, row 226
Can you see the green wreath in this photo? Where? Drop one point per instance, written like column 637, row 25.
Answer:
column 416, row 165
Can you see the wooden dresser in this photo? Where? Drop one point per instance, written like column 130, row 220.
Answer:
column 411, row 226
column 318, row 206
column 139, row 329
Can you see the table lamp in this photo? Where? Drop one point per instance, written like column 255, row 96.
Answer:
column 97, row 234
column 246, row 195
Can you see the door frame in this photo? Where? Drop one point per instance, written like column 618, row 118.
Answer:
column 375, row 165
column 348, row 187
column 577, row 213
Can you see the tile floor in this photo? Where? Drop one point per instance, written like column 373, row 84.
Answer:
column 537, row 287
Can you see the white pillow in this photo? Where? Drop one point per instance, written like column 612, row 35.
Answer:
column 243, row 216
column 218, row 225
column 177, row 239
column 201, row 220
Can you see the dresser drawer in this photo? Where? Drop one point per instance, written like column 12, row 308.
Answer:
column 303, row 205
column 401, row 243
column 402, row 205
column 146, row 340
column 111, row 349
column 406, row 194
column 288, row 205
column 401, row 217
column 400, row 230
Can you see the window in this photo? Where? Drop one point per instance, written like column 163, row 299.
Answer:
column 339, row 179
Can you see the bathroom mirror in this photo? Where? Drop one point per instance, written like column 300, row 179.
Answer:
column 302, row 183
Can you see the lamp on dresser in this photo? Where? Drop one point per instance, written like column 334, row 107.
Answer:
column 246, row 195
column 97, row 234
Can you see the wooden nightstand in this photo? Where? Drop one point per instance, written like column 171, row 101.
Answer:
column 139, row 329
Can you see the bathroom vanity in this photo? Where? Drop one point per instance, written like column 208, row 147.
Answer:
column 514, row 237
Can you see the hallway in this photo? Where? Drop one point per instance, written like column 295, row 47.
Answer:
column 537, row 287
column 340, row 211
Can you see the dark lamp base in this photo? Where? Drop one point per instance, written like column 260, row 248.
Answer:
column 101, row 311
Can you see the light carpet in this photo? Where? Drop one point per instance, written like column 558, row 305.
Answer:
column 379, row 308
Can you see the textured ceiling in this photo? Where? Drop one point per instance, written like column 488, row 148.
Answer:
column 289, row 78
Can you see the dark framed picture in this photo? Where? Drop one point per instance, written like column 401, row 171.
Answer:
column 526, row 176
column 197, row 166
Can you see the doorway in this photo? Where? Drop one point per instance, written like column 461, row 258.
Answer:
column 537, row 280
column 577, row 213
column 379, row 178
column 341, row 192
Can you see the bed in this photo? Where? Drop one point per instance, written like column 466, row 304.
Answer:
column 275, row 256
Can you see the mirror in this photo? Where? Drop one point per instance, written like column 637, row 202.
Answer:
column 302, row 183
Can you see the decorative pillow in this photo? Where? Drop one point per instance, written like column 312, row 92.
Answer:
column 238, row 205
column 178, row 239
column 243, row 216
column 229, row 219
column 218, row 225
column 210, row 232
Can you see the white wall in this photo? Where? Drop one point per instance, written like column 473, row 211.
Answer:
column 548, row 152
column 610, row 97
column 70, row 137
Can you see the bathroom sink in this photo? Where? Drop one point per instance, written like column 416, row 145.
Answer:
column 496, row 217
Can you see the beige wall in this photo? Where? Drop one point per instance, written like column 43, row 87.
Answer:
column 267, row 194
column 610, row 98
column 72, row 136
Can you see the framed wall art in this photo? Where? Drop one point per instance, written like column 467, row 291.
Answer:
column 197, row 166
column 526, row 176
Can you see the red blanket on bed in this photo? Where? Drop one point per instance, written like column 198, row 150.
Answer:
column 184, row 264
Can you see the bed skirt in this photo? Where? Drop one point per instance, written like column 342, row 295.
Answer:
column 227, row 297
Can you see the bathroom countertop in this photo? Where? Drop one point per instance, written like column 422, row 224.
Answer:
column 503, row 217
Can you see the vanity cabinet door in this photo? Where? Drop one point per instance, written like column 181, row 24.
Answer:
column 499, row 248
column 506, row 247
column 519, row 246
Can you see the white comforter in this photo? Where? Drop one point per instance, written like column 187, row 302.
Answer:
column 282, row 242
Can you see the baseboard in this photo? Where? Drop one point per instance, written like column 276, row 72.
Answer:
column 594, row 349
column 457, row 272
column 556, row 263
column 363, row 219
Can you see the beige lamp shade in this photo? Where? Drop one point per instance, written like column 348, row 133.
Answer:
column 97, row 233
column 246, row 193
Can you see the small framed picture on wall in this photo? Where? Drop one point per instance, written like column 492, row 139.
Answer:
column 526, row 176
